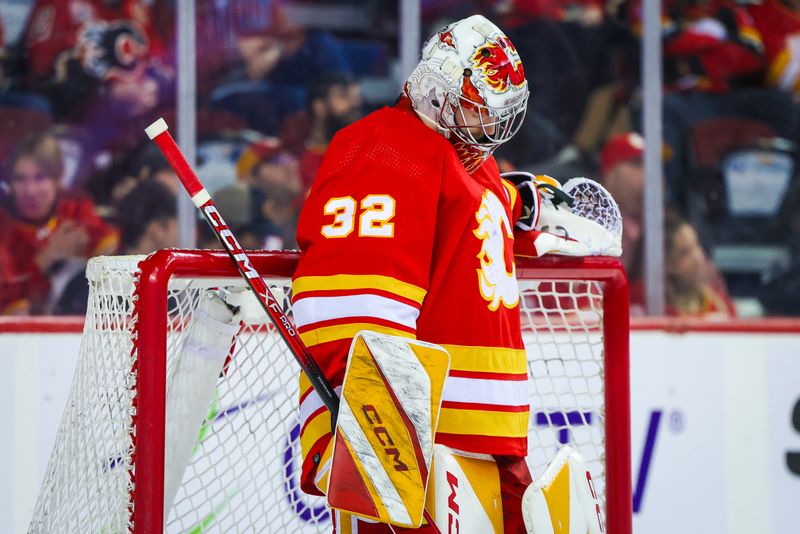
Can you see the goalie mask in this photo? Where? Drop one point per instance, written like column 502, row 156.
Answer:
column 471, row 86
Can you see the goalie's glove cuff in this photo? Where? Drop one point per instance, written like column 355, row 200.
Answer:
column 531, row 202
column 531, row 188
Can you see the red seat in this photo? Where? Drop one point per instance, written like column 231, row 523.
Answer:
column 711, row 139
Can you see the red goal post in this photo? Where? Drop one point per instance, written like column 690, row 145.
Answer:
column 107, row 469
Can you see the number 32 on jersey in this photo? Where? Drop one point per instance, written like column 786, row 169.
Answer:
column 374, row 214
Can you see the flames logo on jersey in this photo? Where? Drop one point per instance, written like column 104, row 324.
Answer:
column 500, row 64
column 498, row 284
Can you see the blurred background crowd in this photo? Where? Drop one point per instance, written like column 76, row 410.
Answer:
column 276, row 79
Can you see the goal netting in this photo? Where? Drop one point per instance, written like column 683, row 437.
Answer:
column 239, row 470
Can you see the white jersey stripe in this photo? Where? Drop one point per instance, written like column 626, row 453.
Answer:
column 312, row 310
column 456, row 389
column 477, row 390
column 311, row 404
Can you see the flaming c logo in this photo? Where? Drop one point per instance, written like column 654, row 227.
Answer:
column 497, row 283
column 500, row 64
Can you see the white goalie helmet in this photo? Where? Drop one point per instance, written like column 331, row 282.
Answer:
column 472, row 69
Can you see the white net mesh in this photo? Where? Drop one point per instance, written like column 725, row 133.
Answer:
column 87, row 485
column 243, row 472
column 562, row 330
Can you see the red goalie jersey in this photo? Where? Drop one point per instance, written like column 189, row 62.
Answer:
column 396, row 237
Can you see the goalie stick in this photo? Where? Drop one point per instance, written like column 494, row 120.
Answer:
column 158, row 132
column 202, row 199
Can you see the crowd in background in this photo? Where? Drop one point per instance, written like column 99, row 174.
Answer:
column 276, row 79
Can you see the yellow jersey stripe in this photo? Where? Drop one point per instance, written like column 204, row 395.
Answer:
column 325, row 334
column 778, row 67
column 353, row 281
column 316, row 428
column 487, row 359
column 305, row 384
column 483, row 423
column 752, row 36
column 512, row 192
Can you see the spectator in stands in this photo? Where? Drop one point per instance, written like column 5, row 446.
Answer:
column 778, row 22
column 241, row 206
column 53, row 231
column 275, row 61
column 276, row 189
column 149, row 165
column 334, row 101
column 12, row 301
column 623, row 176
column 267, row 43
column 691, row 287
column 147, row 222
column 100, row 49
column 689, row 290
column 708, row 45
column 713, row 58
column 104, row 66
column 147, row 218
column 569, row 50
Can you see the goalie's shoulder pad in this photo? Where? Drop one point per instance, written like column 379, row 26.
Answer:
column 563, row 495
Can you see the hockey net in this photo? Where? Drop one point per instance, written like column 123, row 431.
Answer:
column 107, row 470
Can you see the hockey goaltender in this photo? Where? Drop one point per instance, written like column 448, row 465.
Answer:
column 410, row 231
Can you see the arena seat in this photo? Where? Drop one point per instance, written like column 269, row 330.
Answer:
column 738, row 175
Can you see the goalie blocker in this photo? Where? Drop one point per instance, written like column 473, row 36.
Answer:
column 383, row 443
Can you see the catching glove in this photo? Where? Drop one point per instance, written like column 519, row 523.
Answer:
column 579, row 218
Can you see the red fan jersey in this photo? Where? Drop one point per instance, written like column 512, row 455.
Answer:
column 12, row 296
column 56, row 27
column 780, row 28
column 29, row 240
column 396, row 237
column 707, row 45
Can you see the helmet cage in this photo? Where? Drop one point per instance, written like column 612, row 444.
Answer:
column 497, row 125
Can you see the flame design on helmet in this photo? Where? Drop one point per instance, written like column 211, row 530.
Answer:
column 471, row 93
column 446, row 39
column 500, row 64
column 470, row 86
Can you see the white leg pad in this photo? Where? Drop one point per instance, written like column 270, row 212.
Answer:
column 563, row 499
column 466, row 492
